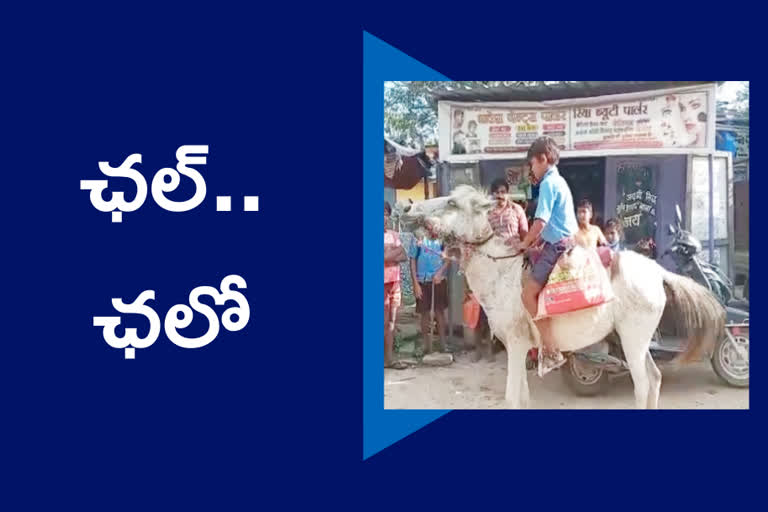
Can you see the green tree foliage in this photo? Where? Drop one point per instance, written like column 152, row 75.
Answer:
column 410, row 118
column 739, row 105
column 742, row 99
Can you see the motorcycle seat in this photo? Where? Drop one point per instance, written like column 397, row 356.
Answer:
column 739, row 304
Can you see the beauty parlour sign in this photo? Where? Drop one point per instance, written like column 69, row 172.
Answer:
column 679, row 120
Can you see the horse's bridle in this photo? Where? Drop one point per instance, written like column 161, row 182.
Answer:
column 475, row 247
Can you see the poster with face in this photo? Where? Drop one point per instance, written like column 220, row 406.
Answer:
column 653, row 120
column 514, row 175
column 481, row 130
column 684, row 120
column 474, row 145
column 662, row 121
column 459, row 137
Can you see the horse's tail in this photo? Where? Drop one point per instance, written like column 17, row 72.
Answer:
column 697, row 314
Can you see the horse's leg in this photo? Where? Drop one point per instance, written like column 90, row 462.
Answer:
column 517, row 384
column 654, row 375
column 636, row 340
column 639, row 287
column 525, row 392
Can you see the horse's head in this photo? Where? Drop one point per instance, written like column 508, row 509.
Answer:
column 461, row 217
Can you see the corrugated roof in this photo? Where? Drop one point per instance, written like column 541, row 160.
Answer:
column 556, row 91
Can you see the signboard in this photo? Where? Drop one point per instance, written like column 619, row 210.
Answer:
column 479, row 130
column 636, row 200
column 670, row 119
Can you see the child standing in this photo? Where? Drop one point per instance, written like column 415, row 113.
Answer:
column 428, row 272
column 588, row 236
column 613, row 234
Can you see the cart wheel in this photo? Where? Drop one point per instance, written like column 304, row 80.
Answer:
column 584, row 379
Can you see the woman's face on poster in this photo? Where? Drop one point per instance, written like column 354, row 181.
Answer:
column 693, row 110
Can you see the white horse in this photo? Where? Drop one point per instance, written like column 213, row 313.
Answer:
column 642, row 289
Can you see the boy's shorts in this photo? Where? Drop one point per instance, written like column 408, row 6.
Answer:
column 392, row 294
column 547, row 259
column 424, row 304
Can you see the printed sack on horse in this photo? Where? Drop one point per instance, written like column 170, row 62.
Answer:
column 578, row 281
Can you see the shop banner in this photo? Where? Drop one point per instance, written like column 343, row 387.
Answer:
column 662, row 119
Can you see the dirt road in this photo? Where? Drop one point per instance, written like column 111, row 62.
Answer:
column 469, row 385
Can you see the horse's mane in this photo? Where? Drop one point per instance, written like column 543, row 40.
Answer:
column 464, row 190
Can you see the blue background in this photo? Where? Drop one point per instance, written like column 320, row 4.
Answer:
column 272, row 415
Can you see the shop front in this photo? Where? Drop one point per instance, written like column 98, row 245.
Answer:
column 635, row 157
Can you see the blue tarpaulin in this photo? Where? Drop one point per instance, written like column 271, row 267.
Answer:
column 726, row 141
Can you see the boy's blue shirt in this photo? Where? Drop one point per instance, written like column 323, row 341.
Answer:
column 428, row 258
column 555, row 207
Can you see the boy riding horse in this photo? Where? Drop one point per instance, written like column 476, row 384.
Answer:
column 555, row 222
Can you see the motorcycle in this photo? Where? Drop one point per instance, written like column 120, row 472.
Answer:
column 588, row 372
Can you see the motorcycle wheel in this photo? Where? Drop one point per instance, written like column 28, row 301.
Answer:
column 727, row 363
column 584, row 379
